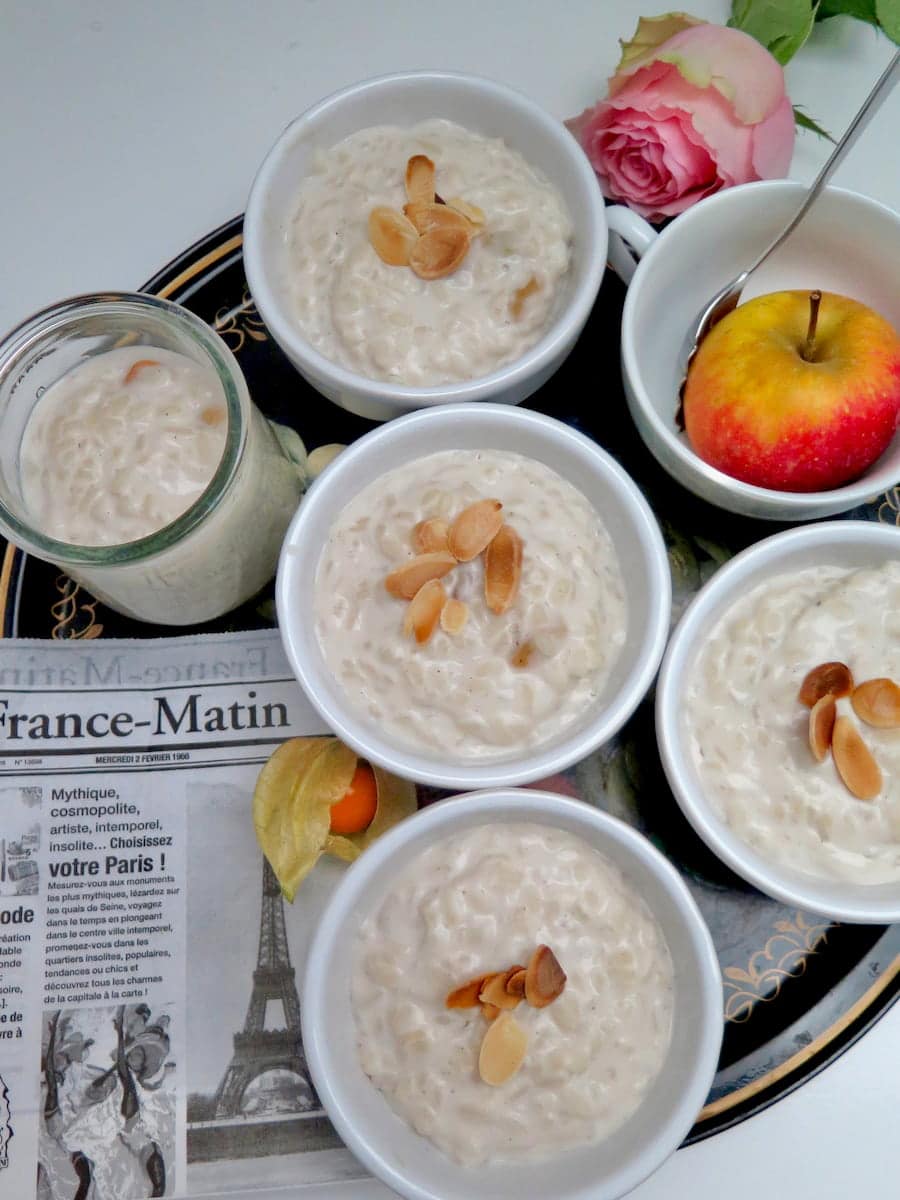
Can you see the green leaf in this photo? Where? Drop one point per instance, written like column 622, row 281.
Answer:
column 888, row 12
column 863, row 10
column 782, row 26
column 805, row 122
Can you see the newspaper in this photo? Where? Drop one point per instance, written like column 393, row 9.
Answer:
column 150, row 1040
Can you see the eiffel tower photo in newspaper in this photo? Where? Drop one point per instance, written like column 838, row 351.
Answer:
column 259, row 1049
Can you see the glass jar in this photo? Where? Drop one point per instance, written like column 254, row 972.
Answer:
column 223, row 548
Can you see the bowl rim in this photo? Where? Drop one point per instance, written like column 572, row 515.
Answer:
column 753, row 499
column 502, row 804
column 540, row 355
column 328, row 490
column 770, row 878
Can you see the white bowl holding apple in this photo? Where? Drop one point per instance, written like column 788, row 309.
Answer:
column 847, row 244
column 684, row 746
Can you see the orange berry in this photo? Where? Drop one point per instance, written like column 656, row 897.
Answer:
column 355, row 811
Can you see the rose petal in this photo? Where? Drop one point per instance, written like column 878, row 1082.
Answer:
column 652, row 32
column 773, row 142
column 714, row 56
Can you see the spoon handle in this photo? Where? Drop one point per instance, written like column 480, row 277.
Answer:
column 870, row 106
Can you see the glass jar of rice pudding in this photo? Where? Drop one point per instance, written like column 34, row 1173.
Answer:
column 132, row 457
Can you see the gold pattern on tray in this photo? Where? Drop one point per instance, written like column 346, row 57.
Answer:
column 784, row 956
column 889, row 508
column 242, row 321
column 75, row 613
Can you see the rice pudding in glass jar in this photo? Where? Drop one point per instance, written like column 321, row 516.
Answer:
column 133, row 457
column 384, row 321
column 748, row 733
column 478, row 903
column 485, row 683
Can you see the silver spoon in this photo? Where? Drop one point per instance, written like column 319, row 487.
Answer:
column 727, row 299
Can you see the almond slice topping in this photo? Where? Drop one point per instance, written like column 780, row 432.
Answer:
column 136, row 367
column 502, row 1050
column 392, row 235
column 522, row 654
column 502, row 569
column 424, row 611
column 436, row 216
column 515, row 981
column 877, row 702
column 854, row 761
column 407, row 579
column 465, row 996
column 474, row 528
column 494, row 990
column 420, row 179
column 473, row 214
column 490, row 1012
column 519, row 297
column 454, row 615
column 544, row 978
column 821, row 726
column 828, row 678
column 431, row 536
column 439, row 252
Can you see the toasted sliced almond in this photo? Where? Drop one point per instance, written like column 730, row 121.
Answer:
column 420, row 179
column 465, row 996
column 431, row 536
column 439, row 252
column 392, row 235
column 406, row 580
column 494, row 990
column 515, row 981
column 136, row 367
column 522, row 654
column 490, row 1012
column 502, row 569
column 502, row 1050
column 854, row 761
column 424, row 611
column 519, row 297
column 877, row 702
column 474, row 528
column 821, row 726
column 828, row 678
column 473, row 214
column 436, row 216
column 213, row 415
column 544, row 978
column 454, row 615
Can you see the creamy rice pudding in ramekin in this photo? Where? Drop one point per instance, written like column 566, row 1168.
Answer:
column 472, row 905
column 748, row 730
column 382, row 319
column 508, row 678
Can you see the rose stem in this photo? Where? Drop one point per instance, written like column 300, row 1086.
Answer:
column 809, row 346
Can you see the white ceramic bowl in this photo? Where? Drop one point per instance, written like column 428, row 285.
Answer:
column 627, row 516
column 847, row 243
column 483, row 106
column 410, row 1164
column 840, row 543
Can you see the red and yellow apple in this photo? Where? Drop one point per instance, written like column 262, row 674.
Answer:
column 794, row 392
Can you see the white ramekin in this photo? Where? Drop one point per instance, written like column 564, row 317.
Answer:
column 852, row 544
column 481, row 105
column 625, row 512
column 410, row 1164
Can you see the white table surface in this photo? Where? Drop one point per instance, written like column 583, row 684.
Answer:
column 130, row 129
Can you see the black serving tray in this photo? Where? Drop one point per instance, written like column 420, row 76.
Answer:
column 798, row 989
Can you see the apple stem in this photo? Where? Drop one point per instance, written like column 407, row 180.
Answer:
column 809, row 346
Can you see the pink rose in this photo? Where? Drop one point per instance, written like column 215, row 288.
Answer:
column 692, row 108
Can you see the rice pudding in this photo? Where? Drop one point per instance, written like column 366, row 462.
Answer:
column 121, row 445
column 468, row 694
column 472, row 904
column 748, row 735
column 387, row 323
